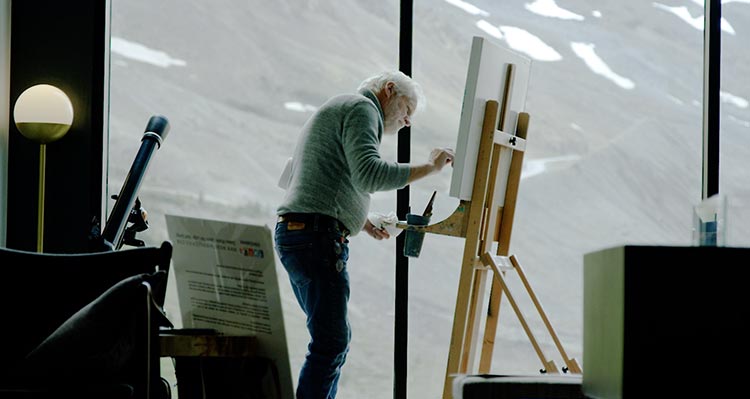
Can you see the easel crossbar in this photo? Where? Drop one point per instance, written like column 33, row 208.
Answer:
column 510, row 140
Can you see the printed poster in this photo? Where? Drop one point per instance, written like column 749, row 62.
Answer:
column 226, row 280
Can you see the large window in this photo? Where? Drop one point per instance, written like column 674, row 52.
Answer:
column 613, row 158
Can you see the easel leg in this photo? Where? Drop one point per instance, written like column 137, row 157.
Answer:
column 548, row 365
column 503, row 227
column 490, row 328
column 473, row 237
column 459, row 327
column 472, row 323
column 572, row 364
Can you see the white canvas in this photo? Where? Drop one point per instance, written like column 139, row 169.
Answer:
column 485, row 81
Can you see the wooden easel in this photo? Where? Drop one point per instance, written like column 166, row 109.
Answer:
column 483, row 220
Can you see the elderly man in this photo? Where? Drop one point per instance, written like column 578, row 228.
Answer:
column 336, row 166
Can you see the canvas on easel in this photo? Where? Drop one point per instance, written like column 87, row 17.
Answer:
column 487, row 170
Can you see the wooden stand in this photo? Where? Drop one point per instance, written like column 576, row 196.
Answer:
column 510, row 263
column 485, row 219
column 207, row 345
column 213, row 366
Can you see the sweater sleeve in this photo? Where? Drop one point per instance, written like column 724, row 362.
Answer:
column 360, row 139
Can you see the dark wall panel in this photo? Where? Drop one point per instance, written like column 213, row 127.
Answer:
column 62, row 43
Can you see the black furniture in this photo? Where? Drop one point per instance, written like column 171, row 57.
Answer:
column 83, row 325
column 665, row 322
column 547, row 386
column 209, row 365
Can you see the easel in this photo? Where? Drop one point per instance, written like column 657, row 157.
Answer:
column 488, row 218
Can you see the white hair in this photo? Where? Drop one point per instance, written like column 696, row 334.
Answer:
column 404, row 86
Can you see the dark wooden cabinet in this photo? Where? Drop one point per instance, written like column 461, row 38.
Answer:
column 665, row 321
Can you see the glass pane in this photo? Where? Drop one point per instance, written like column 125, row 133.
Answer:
column 735, row 124
column 237, row 80
column 613, row 154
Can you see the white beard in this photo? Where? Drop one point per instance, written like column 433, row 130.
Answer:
column 390, row 124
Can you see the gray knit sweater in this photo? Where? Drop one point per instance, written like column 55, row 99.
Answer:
column 336, row 162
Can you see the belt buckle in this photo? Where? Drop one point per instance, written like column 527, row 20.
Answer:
column 292, row 226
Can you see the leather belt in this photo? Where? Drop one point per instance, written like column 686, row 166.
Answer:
column 313, row 222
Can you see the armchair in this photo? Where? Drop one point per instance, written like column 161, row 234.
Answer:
column 83, row 325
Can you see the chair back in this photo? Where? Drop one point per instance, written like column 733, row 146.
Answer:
column 40, row 291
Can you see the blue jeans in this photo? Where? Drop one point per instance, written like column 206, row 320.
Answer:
column 315, row 259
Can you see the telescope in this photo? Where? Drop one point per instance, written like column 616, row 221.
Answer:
column 127, row 208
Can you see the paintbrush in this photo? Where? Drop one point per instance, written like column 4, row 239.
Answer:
column 428, row 210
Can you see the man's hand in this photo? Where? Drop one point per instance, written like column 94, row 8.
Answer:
column 441, row 157
column 375, row 232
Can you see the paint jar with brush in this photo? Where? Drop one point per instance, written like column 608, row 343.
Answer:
column 414, row 237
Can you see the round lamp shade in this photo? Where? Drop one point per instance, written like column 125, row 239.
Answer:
column 43, row 113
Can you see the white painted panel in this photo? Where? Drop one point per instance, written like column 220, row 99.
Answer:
column 485, row 80
column 4, row 111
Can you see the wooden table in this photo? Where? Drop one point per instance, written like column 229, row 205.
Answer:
column 211, row 345
column 216, row 366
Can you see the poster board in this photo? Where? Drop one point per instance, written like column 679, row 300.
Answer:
column 226, row 280
column 485, row 80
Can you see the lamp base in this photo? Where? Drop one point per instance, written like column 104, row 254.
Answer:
column 42, row 133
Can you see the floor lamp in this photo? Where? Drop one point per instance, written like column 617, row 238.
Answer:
column 43, row 113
